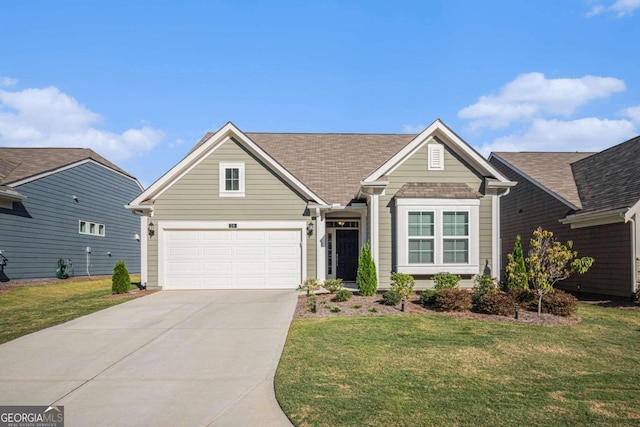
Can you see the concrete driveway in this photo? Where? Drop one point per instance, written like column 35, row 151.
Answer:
column 173, row 358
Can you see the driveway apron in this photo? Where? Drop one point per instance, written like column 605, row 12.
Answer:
column 173, row 358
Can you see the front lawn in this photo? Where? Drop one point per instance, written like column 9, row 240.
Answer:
column 432, row 370
column 31, row 308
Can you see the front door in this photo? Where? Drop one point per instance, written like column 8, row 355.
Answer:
column 347, row 254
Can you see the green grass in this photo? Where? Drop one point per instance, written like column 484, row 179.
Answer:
column 29, row 309
column 440, row 371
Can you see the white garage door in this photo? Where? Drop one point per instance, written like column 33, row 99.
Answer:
column 232, row 259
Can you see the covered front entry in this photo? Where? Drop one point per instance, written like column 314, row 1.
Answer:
column 259, row 258
column 343, row 249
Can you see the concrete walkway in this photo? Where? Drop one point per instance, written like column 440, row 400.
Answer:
column 174, row 358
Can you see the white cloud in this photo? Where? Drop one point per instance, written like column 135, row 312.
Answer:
column 49, row 118
column 588, row 134
column 7, row 81
column 621, row 8
column 413, row 128
column 178, row 142
column 633, row 113
column 532, row 95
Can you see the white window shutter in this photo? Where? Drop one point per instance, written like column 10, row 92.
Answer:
column 436, row 157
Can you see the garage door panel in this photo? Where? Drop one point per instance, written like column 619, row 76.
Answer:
column 228, row 259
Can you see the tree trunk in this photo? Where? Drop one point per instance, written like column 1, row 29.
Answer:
column 539, row 304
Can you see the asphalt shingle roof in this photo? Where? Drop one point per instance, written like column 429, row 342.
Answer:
column 20, row 163
column 609, row 179
column 552, row 170
column 414, row 190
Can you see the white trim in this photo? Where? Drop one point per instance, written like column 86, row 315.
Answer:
column 633, row 211
column 70, row 166
column 11, row 195
column 144, row 238
column 211, row 144
column 635, row 249
column 435, row 157
column 454, row 142
column 438, row 206
column 222, row 179
column 496, row 269
column 533, row 181
column 591, row 219
column 88, row 225
column 374, row 236
column 321, row 246
column 163, row 226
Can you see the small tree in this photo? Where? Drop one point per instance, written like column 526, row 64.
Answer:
column 366, row 278
column 402, row 284
column 120, row 281
column 516, row 268
column 550, row 261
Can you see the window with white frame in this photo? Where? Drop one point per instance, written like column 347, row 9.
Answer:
column 91, row 228
column 435, row 235
column 231, row 179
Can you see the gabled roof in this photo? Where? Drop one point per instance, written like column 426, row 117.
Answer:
column 609, row 179
column 549, row 171
column 329, row 167
column 20, row 165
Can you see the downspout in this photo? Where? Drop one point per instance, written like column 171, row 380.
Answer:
column 373, row 236
column 634, row 258
column 321, row 264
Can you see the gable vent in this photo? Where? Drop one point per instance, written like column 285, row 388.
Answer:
column 436, row 157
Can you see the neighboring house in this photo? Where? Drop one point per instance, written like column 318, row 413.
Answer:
column 590, row 198
column 267, row 210
column 65, row 203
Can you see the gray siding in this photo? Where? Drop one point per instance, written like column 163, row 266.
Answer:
column 414, row 169
column 528, row 207
column 195, row 196
column 44, row 227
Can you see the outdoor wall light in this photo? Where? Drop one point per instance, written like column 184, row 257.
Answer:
column 74, row 197
column 151, row 229
column 310, row 229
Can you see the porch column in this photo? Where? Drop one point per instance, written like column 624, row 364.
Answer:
column 321, row 258
column 373, row 234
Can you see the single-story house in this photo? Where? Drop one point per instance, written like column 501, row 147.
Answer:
column 267, row 210
column 65, row 205
column 592, row 199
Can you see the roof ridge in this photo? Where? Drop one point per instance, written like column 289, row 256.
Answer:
column 331, row 133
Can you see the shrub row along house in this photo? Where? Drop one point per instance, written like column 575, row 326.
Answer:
column 266, row 210
column 592, row 199
column 65, row 204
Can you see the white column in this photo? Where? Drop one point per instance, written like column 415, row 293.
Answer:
column 496, row 270
column 143, row 249
column 373, row 235
column 321, row 250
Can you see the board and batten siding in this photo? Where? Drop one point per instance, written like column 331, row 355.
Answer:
column 414, row 169
column 195, row 197
column 45, row 226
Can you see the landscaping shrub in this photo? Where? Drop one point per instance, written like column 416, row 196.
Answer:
column 333, row 285
column 343, row 295
column 559, row 303
column 451, row 299
column 494, row 303
column 525, row 298
column 402, row 284
column 516, row 269
column 335, row 309
column 428, row 297
column 484, row 284
column 120, row 281
column 391, row 298
column 373, row 310
column 310, row 285
column 446, row 280
column 366, row 277
column 311, row 302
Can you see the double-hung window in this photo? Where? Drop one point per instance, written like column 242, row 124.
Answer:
column 231, row 179
column 435, row 235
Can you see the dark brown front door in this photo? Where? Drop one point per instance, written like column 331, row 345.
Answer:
column 347, row 254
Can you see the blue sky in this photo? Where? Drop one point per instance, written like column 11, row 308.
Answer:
column 140, row 81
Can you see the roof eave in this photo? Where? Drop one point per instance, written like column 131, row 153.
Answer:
column 590, row 219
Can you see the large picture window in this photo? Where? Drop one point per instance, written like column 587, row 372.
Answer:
column 435, row 235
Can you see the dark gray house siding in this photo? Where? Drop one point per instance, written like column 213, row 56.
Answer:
column 527, row 207
column 45, row 226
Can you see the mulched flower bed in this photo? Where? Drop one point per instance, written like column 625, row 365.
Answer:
column 367, row 305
